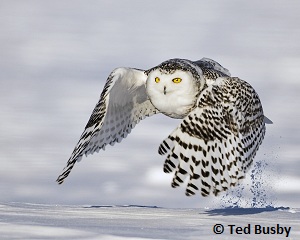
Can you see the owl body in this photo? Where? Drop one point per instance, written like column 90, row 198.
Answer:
column 222, row 124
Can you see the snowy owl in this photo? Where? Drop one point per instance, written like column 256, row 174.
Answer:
column 222, row 126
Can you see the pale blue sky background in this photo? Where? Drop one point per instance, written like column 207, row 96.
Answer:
column 56, row 56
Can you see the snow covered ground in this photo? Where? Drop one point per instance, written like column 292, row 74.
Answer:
column 33, row 221
column 55, row 58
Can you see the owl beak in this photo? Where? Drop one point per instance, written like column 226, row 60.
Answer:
column 165, row 90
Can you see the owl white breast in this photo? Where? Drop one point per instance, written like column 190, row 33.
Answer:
column 173, row 86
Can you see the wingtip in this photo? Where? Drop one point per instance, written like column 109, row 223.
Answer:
column 59, row 180
column 267, row 120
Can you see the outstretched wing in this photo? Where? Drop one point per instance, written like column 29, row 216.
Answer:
column 123, row 103
column 215, row 144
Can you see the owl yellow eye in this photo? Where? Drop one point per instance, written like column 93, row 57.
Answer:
column 177, row 80
column 157, row 80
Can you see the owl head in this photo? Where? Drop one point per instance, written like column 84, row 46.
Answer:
column 173, row 86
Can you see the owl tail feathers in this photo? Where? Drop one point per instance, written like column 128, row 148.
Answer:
column 267, row 120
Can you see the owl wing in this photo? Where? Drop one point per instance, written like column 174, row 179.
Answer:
column 215, row 144
column 207, row 63
column 123, row 103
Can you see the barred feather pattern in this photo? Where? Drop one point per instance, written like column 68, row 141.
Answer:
column 123, row 103
column 215, row 144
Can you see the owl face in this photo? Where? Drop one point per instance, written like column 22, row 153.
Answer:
column 173, row 94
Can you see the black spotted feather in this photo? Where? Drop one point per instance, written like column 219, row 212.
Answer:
column 215, row 144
